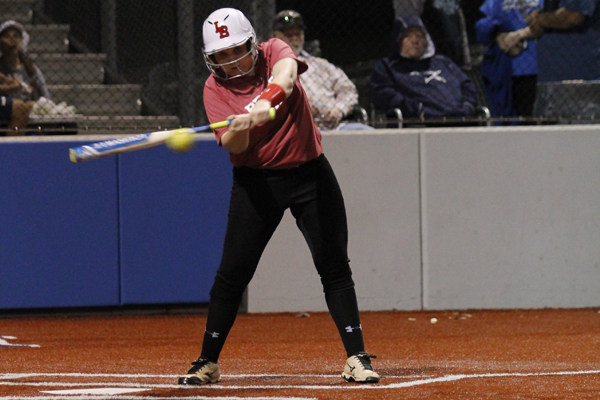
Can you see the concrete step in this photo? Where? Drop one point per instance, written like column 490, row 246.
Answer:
column 71, row 69
column 48, row 38
column 18, row 10
column 99, row 99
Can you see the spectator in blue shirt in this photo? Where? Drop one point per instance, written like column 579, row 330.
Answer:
column 569, row 46
column 509, row 69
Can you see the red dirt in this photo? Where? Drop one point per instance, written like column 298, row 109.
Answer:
column 535, row 354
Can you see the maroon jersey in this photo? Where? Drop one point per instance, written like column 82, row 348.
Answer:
column 291, row 138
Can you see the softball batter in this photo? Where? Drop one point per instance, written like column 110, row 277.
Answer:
column 278, row 164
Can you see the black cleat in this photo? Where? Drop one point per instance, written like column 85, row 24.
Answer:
column 202, row 372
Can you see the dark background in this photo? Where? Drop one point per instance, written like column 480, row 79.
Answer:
column 348, row 30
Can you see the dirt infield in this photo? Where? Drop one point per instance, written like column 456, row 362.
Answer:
column 534, row 354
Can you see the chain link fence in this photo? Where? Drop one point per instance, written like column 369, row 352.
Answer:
column 137, row 65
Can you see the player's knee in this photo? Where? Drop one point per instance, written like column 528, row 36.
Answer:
column 227, row 292
column 337, row 280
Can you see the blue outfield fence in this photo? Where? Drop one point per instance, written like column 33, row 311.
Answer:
column 439, row 219
column 139, row 228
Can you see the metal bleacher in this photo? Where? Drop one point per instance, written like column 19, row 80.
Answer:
column 79, row 80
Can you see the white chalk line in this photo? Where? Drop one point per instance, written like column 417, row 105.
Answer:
column 99, row 397
column 4, row 343
column 225, row 376
column 77, row 374
column 446, row 378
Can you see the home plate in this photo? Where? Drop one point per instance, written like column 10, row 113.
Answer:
column 108, row 391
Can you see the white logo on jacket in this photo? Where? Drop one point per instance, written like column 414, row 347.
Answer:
column 429, row 76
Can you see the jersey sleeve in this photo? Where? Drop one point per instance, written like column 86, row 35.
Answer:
column 278, row 50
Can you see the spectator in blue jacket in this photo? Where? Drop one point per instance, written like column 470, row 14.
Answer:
column 419, row 82
column 509, row 68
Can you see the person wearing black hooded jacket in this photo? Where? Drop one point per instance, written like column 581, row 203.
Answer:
column 419, row 82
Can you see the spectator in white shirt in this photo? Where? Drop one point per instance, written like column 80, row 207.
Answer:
column 331, row 94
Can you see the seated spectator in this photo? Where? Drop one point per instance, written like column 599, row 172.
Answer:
column 16, row 64
column 21, row 82
column 444, row 20
column 509, row 68
column 331, row 94
column 15, row 112
column 569, row 46
column 417, row 81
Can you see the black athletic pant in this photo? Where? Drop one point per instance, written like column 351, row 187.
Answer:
column 259, row 199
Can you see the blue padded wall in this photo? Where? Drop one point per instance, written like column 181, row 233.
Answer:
column 58, row 228
column 173, row 214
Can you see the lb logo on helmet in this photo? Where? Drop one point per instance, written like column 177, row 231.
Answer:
column 221, row 30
